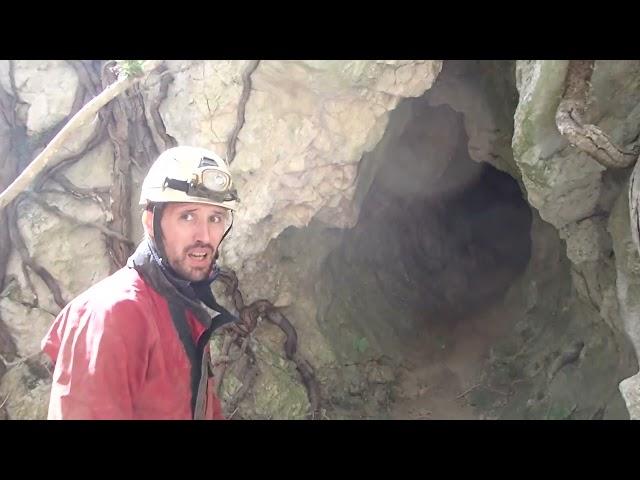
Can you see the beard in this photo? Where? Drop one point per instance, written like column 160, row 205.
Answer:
column 191, row 267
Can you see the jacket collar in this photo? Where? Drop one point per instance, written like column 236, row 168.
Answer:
column 157, row 272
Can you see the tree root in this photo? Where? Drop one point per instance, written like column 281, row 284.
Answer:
column 592, row 140
column 587, row 137
column 85, row 75
column 118, row 128
column 27, row 277
column 162, row 139
column 43, row 273
column 115, row 120
column 244, row 98
column 99, row 195
column 8, row 172
column 83, row 117
column 112, row 234
column 248, row 322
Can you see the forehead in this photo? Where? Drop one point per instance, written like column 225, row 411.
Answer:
column 194, row 207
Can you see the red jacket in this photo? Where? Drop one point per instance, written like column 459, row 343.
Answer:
column 117, row 355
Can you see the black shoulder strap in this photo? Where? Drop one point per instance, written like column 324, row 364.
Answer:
column 180, row 321
column 195, row 352
column 204, row 293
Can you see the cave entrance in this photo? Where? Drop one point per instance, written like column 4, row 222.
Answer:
column 439, row 240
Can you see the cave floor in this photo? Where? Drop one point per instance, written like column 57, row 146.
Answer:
column 435, row 381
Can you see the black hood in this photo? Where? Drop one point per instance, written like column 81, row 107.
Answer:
column 156, row 271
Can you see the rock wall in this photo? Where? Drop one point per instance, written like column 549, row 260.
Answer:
column 304, row 163
column 569, row 189
column 306, row 127
column 307, row 124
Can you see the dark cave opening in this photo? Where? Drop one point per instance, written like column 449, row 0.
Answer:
column 457, row 244
column 451, row 277
column 439, row 237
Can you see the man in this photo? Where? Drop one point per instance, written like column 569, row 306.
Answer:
column 136, row 344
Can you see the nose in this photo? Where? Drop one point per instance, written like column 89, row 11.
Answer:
column 203, row 233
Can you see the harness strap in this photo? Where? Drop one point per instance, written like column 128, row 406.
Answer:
column 180, row 321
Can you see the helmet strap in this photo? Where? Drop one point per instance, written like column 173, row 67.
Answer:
column 157, row 211
column 225, row 234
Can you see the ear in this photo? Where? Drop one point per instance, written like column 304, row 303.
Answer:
column 147, row 222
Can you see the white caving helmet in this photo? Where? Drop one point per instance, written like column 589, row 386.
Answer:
column 189, row 174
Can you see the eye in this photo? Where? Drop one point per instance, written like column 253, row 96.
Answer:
column 186, row 216
column 216, row 218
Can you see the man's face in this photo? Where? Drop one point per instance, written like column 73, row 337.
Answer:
column 191, row 233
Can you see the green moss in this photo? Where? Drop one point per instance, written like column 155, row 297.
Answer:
column 130, row 68
column 559, row 412
column 535, row 174
column 278, row 393
column 482, row 399
column 524, row 141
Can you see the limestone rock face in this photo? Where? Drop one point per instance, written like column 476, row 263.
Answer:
column 306, row 155
column 574, row 193
column 486, row 100
column 307, row 124
column 564, row 184
column 628, row 294
column 48, row 88
column 25, row 389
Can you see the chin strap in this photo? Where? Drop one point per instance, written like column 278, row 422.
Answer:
column 215, row 257
column 157, row 231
